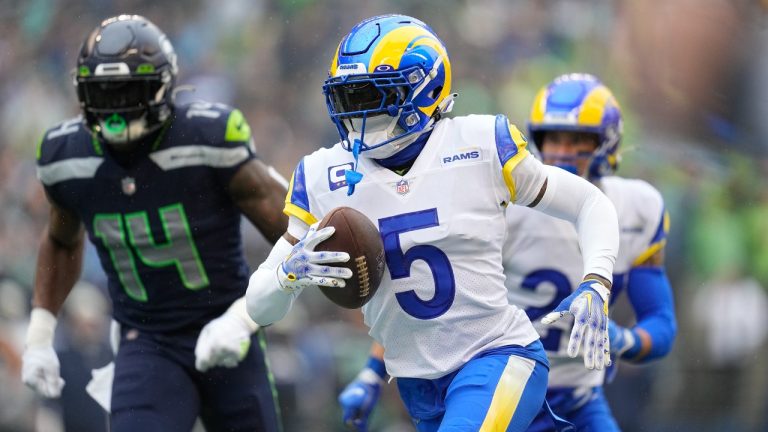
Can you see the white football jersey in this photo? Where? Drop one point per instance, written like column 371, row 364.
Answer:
column 543, row 265
column 442, row 299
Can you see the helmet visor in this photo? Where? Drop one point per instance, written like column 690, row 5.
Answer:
column 118, row 94
column 357, row 97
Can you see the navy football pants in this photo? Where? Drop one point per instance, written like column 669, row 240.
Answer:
column 157, row 388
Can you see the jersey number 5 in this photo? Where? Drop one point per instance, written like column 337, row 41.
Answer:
column 129, row 236
column 399, row 263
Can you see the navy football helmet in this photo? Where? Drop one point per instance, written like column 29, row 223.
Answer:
column 125, row 76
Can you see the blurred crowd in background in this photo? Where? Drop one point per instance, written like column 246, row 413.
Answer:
column 692, row 78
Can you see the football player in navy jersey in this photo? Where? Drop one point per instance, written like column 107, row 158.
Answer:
column 159, row 188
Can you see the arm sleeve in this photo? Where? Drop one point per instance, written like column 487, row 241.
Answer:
column 574, row 199
column 266, row 302
column 651, row 297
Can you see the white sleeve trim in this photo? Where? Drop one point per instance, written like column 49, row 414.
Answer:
column 297, row 228
column 529, row 176
column 574, row 199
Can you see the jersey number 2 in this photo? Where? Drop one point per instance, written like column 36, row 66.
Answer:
column 399, row 263
column 129, row 236
column 551, row 341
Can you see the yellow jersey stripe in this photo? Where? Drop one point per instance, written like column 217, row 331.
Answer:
column 296, row 211
column 507, row 171
column 652, row 249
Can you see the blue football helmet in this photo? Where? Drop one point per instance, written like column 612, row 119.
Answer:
column 579, row 103
column 389, row 81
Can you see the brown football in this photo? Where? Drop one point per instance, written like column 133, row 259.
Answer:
column 356, row 235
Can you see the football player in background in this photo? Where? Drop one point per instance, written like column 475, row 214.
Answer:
column 160, row 189
column 576, row 124
column 437, row 188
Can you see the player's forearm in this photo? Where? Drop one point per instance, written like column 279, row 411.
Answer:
column 377, row 351
column 266, row 301
column 58, row 269
column 260, row 193
column 653, row 340
column 238, row 309
column 572, row 198
column 650, row 294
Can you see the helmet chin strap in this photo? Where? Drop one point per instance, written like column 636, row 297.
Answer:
column 568, row 163
column 352, row 176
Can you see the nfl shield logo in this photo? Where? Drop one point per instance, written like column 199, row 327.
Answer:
column 402, row 187
column 129, row 185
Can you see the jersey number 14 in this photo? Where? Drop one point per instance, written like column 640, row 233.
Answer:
column 128, row 237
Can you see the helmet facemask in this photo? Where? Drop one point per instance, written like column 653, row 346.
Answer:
column 377, row 110
column 389, row 82
column 124, row 110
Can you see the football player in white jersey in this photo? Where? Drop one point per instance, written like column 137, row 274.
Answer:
column 576, row 124
column 437, row 188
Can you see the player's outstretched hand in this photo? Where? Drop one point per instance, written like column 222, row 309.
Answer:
column 359, row 398
column 304, row 267
column 223, row 342
column 39, row 363
column 589, row 307
column 40, row 371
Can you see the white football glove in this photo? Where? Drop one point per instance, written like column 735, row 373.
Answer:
column 225, row 340
column 40, row 364
column 589, row 307
column 304, row 267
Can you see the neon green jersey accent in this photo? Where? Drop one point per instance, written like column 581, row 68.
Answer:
column 237, row 128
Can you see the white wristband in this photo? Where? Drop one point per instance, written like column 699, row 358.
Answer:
column 604, row 292
column 42, row 325
column 239, row 310
column 369, row 376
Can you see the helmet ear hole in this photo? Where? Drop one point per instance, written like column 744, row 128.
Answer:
column 436, row 92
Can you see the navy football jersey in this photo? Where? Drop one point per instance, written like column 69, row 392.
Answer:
column 166, row 231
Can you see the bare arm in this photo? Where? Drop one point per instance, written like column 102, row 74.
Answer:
column 377, row 351
column 260, row 196
column 59, row 263
column 59, row 260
